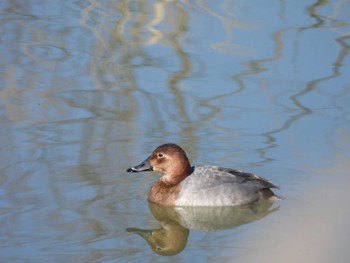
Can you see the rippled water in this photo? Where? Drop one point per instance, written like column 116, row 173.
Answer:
column 89, row 88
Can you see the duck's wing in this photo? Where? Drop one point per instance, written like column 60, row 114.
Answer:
column 215, row 175
column 214, row 185
column 243, row 176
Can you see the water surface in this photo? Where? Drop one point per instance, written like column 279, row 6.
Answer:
column 88, row 89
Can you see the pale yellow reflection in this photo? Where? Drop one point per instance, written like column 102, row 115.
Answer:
column 158, row 18
column 229, row 22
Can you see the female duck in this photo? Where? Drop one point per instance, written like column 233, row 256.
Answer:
column 200, row 185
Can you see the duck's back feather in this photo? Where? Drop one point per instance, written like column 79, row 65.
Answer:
column 210, row 185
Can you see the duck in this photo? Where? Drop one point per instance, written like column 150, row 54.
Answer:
column 200, row 185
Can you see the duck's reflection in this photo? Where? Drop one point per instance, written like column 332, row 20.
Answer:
column 175, row 222
column 168, row 240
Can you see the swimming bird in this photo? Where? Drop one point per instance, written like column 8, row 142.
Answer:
column 201, row 185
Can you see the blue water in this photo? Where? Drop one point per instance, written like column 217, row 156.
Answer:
column 88, row 89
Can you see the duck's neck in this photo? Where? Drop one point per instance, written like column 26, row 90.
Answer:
column 177, row 174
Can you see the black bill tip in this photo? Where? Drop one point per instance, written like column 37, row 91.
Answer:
column 131, row 170
column 142, row 167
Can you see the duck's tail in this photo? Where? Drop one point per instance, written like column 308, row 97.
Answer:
column 268, row 194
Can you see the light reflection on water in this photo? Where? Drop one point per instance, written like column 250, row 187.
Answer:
column 87, row 88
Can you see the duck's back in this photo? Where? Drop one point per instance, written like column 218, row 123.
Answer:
column 210, row 185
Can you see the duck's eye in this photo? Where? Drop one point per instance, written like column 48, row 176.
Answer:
column 160, row 155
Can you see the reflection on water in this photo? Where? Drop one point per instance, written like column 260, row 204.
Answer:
column 176, row 223
column 88, row 86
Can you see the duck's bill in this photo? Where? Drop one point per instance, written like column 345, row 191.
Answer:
column 142, row 167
